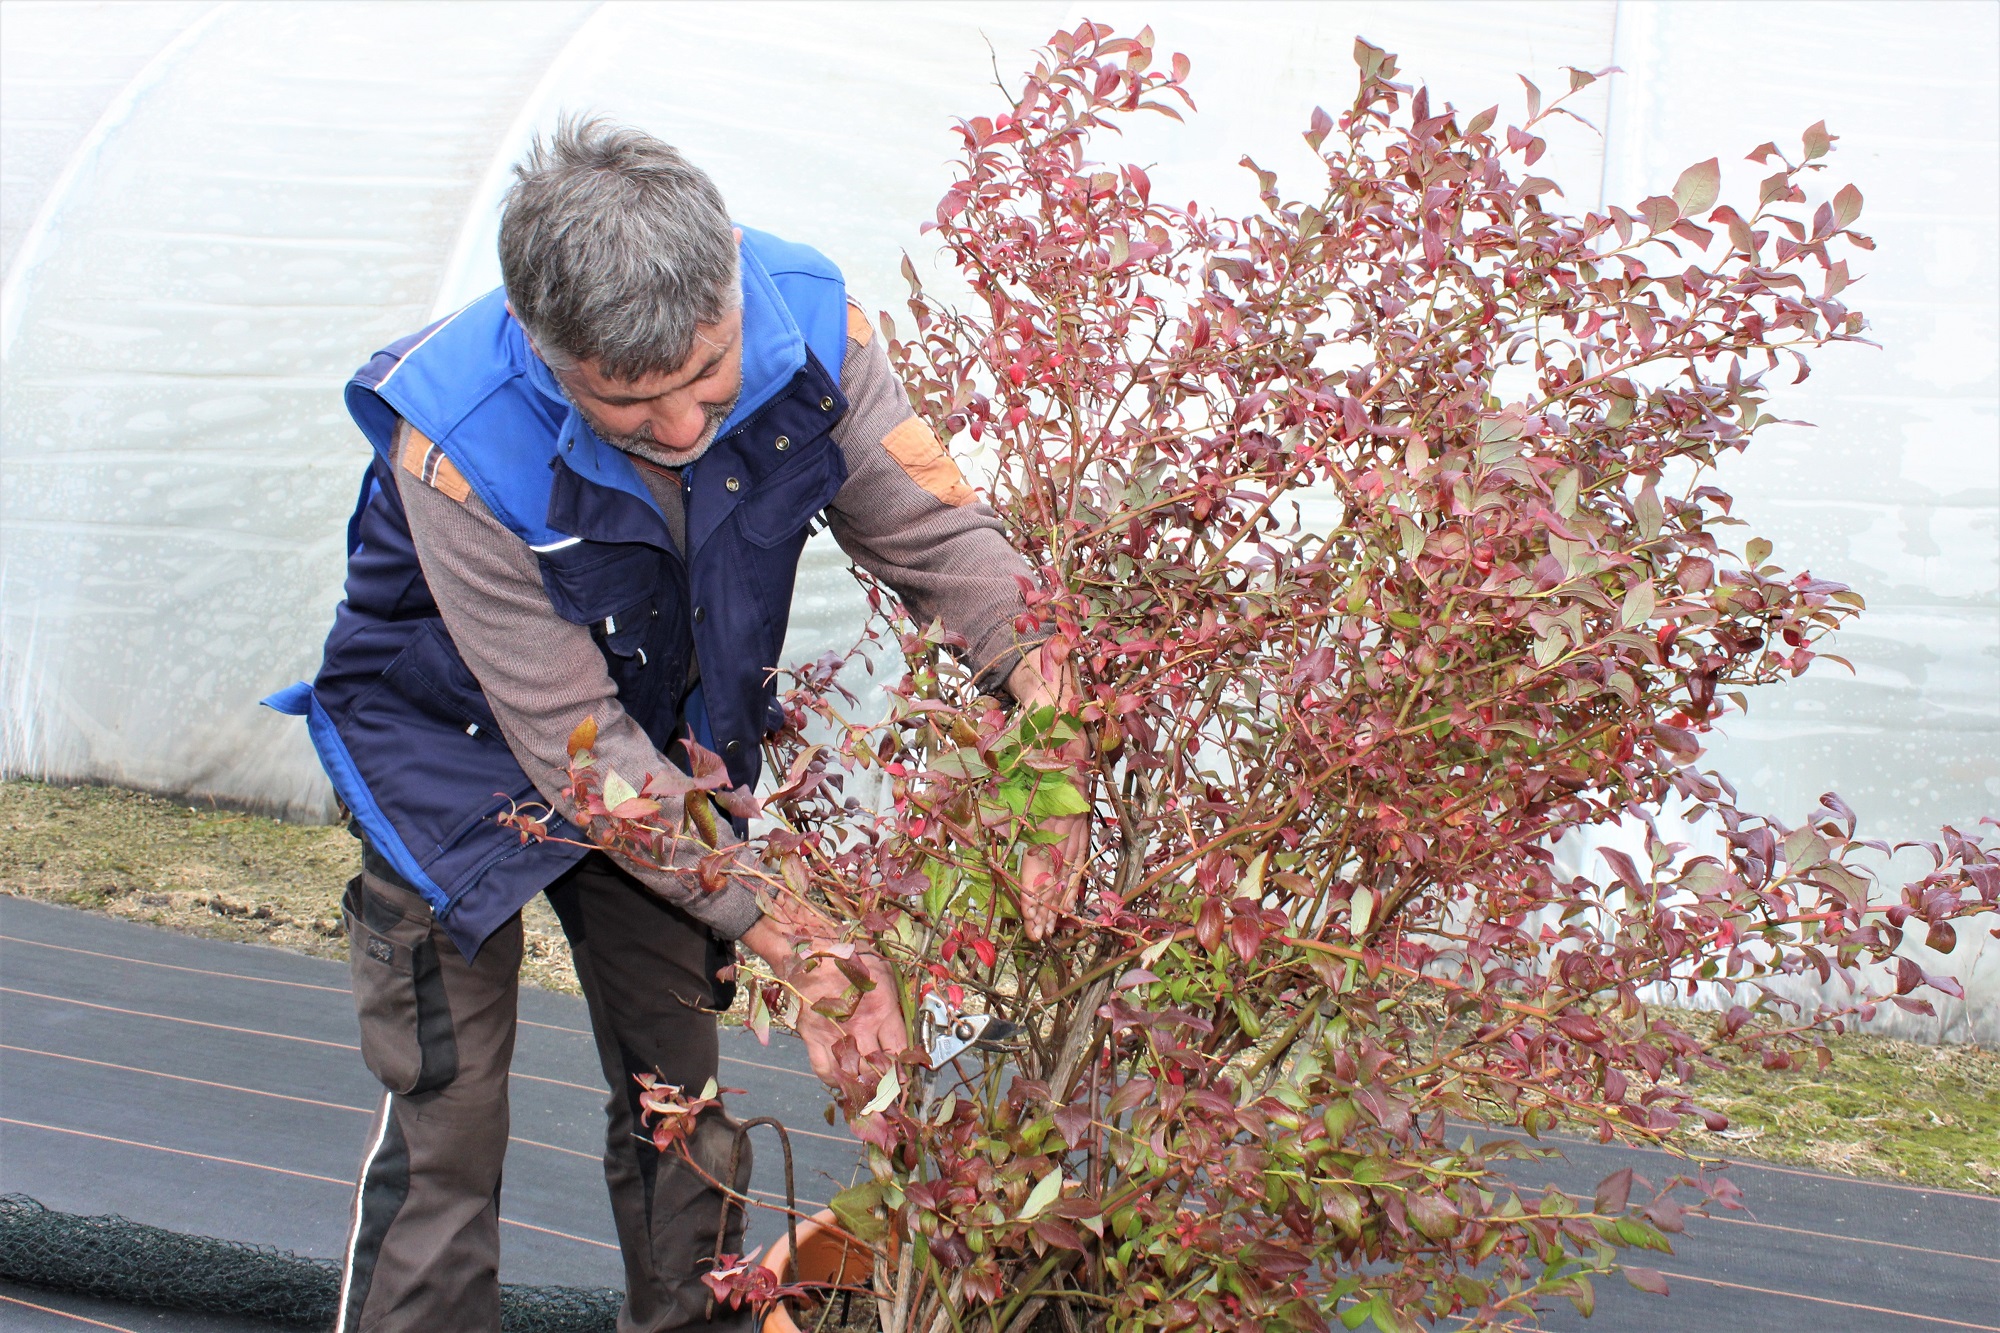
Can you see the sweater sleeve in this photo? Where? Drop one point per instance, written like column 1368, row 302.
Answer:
column 907, row 516
column 542, row 675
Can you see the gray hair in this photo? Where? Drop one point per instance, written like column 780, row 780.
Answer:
column 615, row 248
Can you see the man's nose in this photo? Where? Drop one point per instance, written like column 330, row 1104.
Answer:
column 680, row 425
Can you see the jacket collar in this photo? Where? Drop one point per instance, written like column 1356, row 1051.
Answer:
column 774, row 351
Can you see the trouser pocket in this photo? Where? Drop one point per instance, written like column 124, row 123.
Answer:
column 406, row 1032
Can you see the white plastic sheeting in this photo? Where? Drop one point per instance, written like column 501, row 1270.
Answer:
column 213, row 212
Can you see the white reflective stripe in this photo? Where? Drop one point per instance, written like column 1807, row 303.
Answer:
column 557, row 546
column 611, row 624
column 404, row 359
column 354, row 1231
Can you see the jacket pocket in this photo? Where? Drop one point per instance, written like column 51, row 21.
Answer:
column 789, row 498
column 430, row 674
column 594, row 581
column 406, row 1033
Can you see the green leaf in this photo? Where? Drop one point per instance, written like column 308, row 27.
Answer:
column 1055, row 797
column 944, row 887
column 1817, row 140
column 1342, row 1209
column 1362, row 908
column 959, row 764
column 887, row 1089
column 1698, row 187
column 1369, row 58
column 1638, row 607
column 1756, row 551
column 1804, row 849
column 617, row 790
column 1649, row 513
column 1413, row 537
column 1046, row 1191
column 1564, row 498
column 855, row 1207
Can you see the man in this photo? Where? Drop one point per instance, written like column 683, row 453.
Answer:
column 588, row 499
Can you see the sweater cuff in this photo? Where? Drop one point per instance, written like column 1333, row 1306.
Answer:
column 729, row 912
column 996, row 659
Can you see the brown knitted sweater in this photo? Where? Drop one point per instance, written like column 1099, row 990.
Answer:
column 905, row 515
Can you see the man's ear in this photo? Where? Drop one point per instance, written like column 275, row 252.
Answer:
column 739, row 241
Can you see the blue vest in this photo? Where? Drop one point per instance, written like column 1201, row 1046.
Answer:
column 397, row 718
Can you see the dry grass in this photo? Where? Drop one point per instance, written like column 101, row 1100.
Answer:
column 213, row 873
column 1929, row 1115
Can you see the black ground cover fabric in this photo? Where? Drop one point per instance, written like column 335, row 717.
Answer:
column 112, row 1258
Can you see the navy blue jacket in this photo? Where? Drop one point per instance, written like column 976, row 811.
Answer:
column 399, row 721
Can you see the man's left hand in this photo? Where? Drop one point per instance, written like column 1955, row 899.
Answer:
column 1052, row 873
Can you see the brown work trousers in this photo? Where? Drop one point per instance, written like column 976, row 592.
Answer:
column 423, row 1251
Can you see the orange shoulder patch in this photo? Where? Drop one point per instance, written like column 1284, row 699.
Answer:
column 914, row 446
column 858, row 327
column 427, row 463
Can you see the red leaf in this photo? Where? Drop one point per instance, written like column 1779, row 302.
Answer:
column 1621, row 866
column 1245, row 934
column 1614, row 1192
column 1072, row 1122
column 1647, row 1279
column 1208, row 925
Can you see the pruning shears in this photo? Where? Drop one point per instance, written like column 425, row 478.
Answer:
column 947, row 1033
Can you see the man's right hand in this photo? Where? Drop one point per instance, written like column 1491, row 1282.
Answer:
column 876, row 1022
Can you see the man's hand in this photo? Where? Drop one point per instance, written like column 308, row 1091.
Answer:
column 876, row 1023
column 1049, row 887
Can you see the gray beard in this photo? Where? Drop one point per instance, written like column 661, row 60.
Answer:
column 641, row 443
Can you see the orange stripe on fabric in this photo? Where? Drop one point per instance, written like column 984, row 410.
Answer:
column 858, row 327
column 427, row 463
column 915, row 447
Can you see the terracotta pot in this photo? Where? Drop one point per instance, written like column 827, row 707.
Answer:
column 824, row 1256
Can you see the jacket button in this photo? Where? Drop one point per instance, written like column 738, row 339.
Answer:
column 782, row 443
column 826, row 404
column 732, row 485
column 700, row 614
column 733, row 749
column 654, row 614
